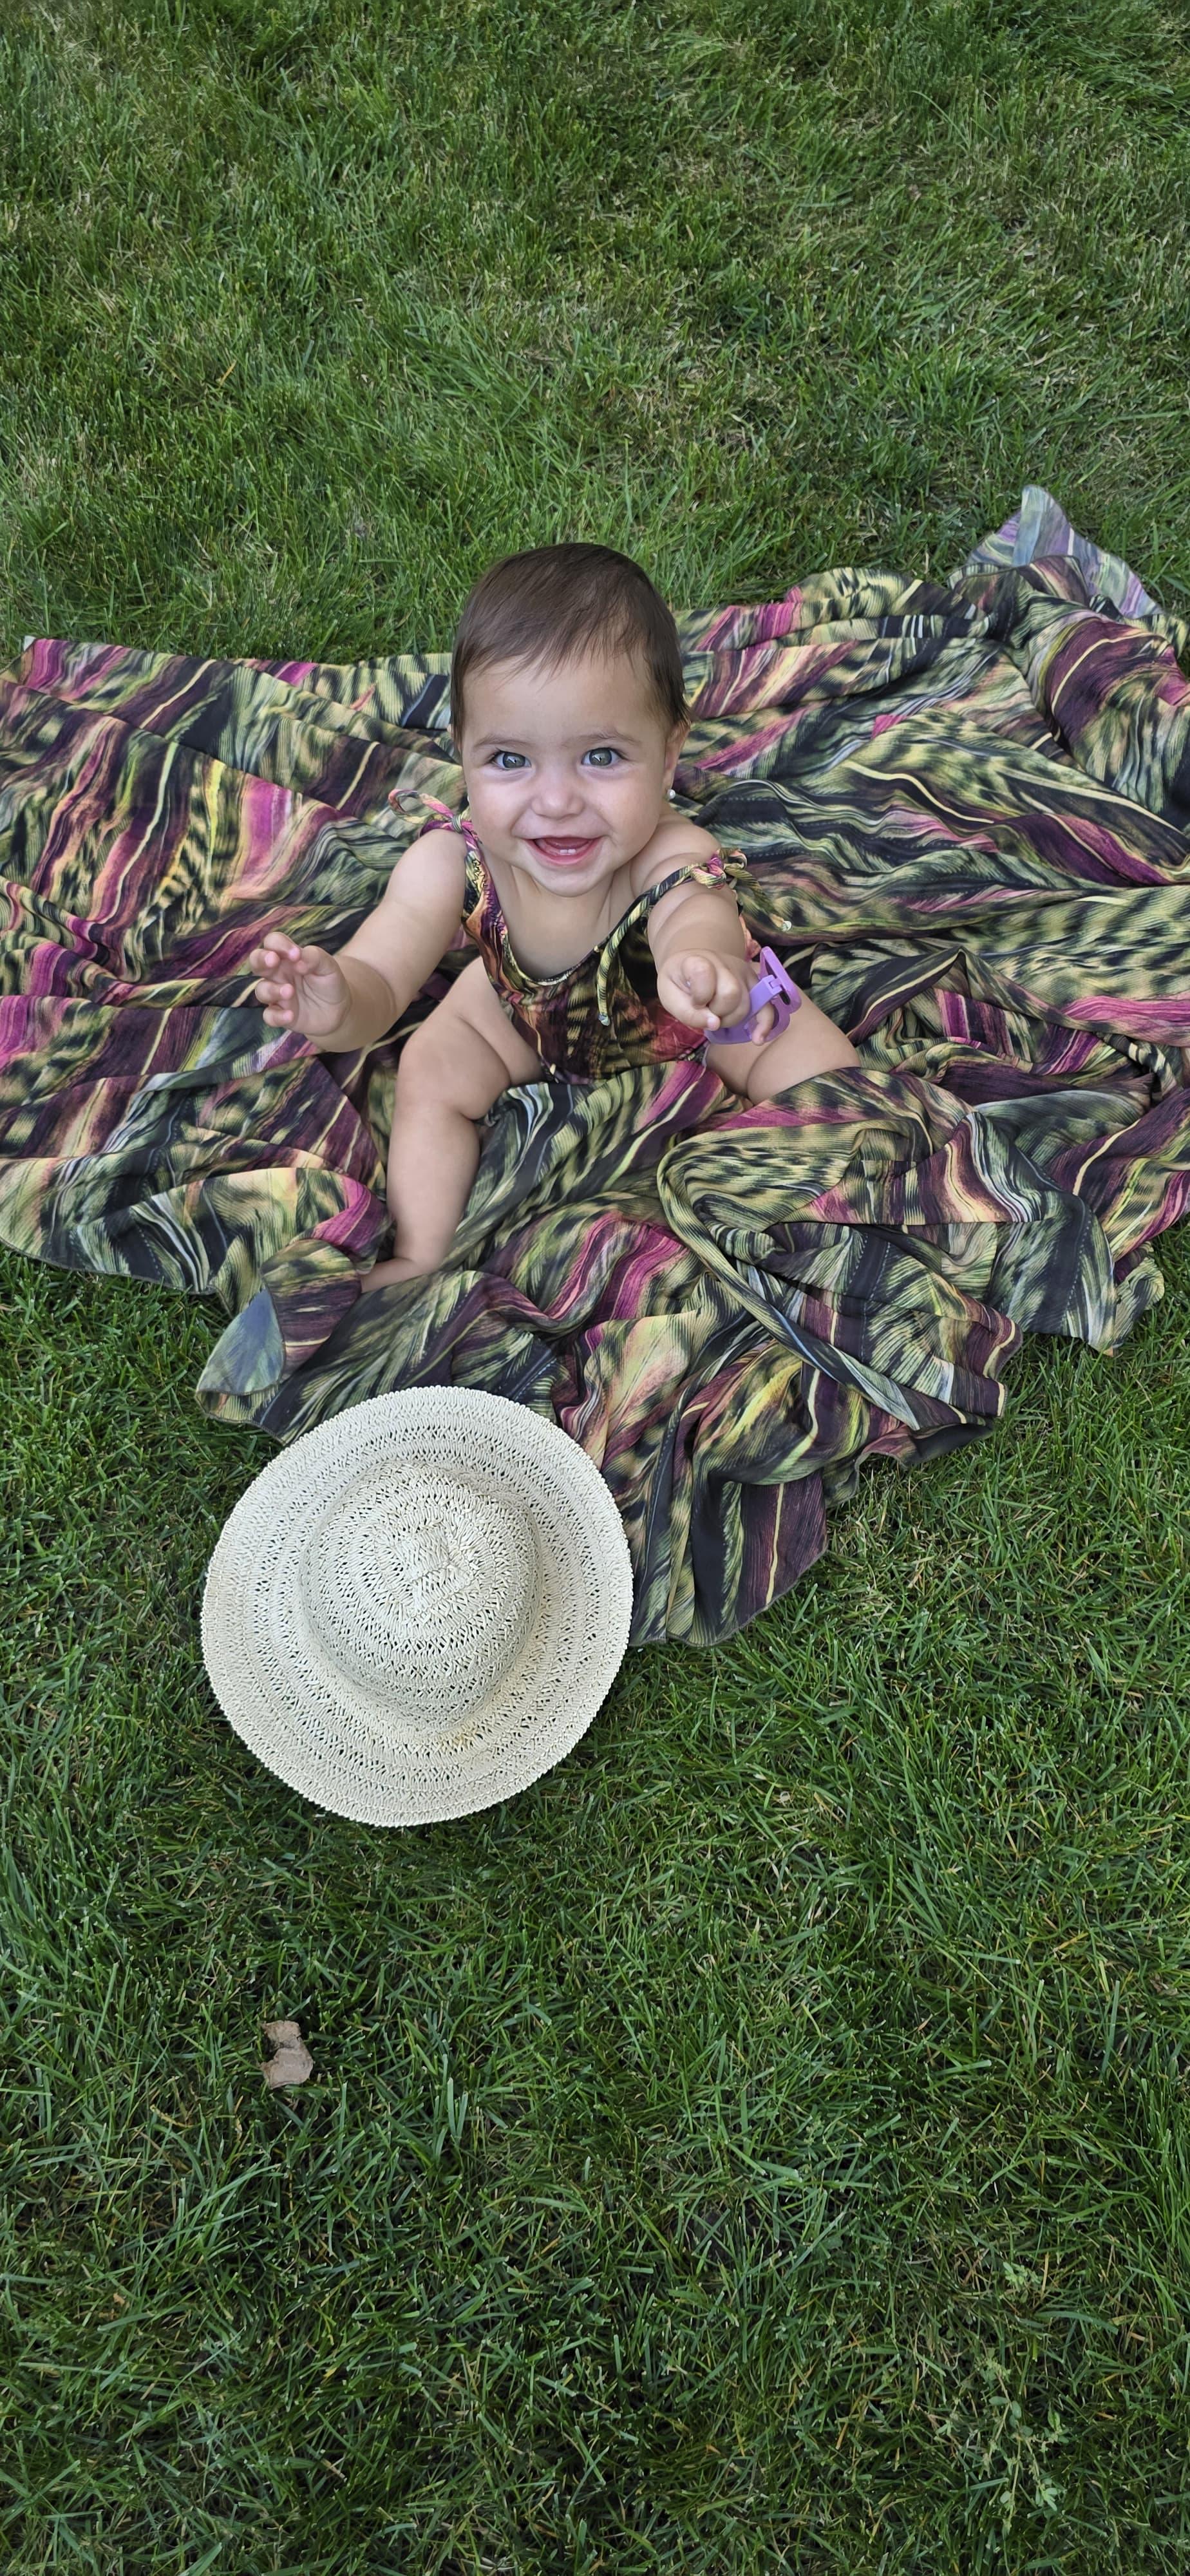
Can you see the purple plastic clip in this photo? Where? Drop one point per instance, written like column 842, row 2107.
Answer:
column 775, row 986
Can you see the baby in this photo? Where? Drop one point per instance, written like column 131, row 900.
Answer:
column 607, row 929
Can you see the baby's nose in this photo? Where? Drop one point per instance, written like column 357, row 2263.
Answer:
column 558, row 795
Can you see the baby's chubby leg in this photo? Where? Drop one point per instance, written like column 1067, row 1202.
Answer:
column 452, row 1071
column 811, row 1044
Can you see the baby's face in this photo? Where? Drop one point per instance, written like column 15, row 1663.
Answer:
column 566, row 770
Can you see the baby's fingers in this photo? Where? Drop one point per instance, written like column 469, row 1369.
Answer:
column 696, row 976
column 279, row 1002
column 312, row 961
column 674, row 997
column 701, row 980
column 274, row 950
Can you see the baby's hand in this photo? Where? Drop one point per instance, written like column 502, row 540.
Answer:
column 709, row 992
column 301, row 988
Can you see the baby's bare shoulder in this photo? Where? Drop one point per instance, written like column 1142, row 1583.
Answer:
column 432, row 872
column 674, row 844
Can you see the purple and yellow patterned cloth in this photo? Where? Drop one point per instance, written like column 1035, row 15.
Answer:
column 965, row 809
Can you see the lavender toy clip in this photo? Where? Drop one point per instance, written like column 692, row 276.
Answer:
column 775, row 986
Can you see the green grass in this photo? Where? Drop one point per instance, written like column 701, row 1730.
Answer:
column 765, row 2145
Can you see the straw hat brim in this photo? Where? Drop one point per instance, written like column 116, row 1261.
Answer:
column 463, row 1714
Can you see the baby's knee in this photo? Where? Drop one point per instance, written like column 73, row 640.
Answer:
column 823, row 1050
column 446, row 1065
column 423, row 1069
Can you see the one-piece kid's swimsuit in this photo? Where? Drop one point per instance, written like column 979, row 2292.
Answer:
column 600, row 1016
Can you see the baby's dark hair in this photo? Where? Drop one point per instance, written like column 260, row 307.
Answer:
column 558, row 601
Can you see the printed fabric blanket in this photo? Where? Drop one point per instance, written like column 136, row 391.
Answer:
column 965, row 805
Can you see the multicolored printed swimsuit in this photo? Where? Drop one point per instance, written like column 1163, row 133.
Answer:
column 603, row 1015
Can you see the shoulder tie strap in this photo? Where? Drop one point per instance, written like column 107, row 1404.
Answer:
column 443, row 816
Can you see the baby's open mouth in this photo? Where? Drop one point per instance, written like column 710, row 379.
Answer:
column 561, row 854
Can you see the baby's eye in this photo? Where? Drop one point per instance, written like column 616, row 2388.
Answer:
column 517, row 759
column 603, row 756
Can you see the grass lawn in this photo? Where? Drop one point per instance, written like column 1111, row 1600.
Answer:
column 766, row 2144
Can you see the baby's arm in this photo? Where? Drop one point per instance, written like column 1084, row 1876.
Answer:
column 703, row 978
column 701, row 955
column 349, row 1000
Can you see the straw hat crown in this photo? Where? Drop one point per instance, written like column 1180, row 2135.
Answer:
column 418, row 1607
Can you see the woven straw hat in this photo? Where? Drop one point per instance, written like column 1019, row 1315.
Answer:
column 418, row 1607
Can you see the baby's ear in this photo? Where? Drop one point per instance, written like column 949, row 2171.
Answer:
column 673, row 749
